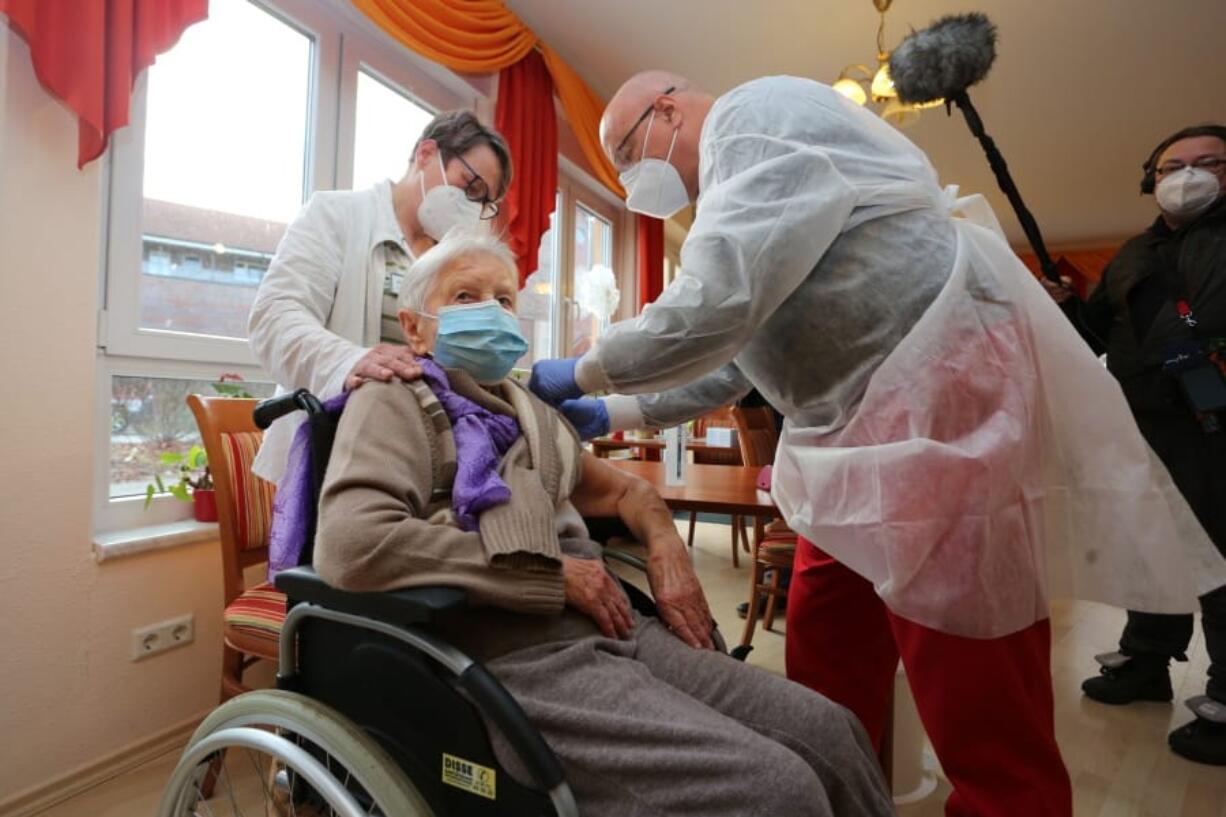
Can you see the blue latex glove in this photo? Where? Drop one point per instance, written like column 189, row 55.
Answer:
column 554, row 380
column 588, row 415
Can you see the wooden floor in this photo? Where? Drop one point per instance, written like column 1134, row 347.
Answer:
column 1117, row 756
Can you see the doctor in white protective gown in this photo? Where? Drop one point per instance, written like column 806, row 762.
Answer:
column 953, row 454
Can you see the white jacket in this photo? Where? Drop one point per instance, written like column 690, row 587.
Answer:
column 949, row 436
column 318, row 307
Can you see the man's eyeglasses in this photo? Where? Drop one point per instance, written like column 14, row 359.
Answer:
column 639, row 121
column 1214, row 164
column 479, row 191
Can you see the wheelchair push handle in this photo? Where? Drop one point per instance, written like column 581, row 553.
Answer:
column 274, row 407
column 494, row 700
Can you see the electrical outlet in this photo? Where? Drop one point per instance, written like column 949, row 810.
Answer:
column 165, row 635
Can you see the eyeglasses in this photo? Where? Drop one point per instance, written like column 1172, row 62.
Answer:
column 639, row 121
column 1214, row 164
column 479, row 191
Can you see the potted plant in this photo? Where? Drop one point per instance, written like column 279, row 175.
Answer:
column 195, row 483
column 230, row 385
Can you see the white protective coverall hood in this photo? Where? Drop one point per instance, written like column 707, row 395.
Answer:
column 949, row 436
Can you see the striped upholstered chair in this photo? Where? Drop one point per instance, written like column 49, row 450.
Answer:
column 253, row 614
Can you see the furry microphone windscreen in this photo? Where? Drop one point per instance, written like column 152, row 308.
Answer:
column 943, row 60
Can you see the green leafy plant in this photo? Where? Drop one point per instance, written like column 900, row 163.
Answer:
column 192, row 465
column 230, row 385
column 194, row 473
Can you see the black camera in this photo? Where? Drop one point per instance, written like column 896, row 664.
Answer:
column 1197, row 367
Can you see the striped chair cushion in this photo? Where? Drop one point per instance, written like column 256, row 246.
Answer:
column 259, row 611
column 252, row 495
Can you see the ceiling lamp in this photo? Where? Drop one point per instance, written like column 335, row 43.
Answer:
column 853, row 81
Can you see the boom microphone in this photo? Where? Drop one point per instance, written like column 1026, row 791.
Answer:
column 941, row 62
column 944, row 59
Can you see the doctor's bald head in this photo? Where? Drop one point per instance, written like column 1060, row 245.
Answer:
column 657, row 115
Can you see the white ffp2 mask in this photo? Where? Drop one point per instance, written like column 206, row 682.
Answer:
column 1188, row 192
column 653, row 186
column 445, row 206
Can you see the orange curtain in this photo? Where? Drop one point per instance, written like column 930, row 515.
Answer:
column 484, row 36
column 88, row 53
column 583, row 109
column 471, row 36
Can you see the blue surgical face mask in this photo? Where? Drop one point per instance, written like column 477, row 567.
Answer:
column 483, row 339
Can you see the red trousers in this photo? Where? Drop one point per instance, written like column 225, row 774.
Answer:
column 985, row 703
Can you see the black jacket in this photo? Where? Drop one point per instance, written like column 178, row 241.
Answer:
column 1132, row 314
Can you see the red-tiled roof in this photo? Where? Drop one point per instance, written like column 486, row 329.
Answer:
column 171, row 220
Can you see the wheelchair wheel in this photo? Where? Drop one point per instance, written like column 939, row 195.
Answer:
column 273, row 752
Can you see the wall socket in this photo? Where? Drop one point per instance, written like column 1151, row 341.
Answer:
column 165, row 635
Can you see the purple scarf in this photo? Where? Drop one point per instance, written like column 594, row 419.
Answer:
column 481, row 439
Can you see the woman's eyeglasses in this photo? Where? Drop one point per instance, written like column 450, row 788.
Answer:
column 1214, row 164
column 479, row 191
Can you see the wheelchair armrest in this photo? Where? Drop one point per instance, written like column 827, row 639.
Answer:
column 274, row 407
column 415, row 605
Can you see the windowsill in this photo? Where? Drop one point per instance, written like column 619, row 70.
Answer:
column 109, row 546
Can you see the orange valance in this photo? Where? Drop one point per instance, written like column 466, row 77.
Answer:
column 484, row 36
column 470, row 36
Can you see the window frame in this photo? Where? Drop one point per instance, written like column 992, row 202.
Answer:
column 578, row 189
column 343, row 41
column 121, row 331
column 422, row 82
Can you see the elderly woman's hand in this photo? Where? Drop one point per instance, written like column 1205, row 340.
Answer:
column 678, row 595
column 592, row 591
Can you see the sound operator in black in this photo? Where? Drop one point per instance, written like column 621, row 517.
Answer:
column 1159, row 313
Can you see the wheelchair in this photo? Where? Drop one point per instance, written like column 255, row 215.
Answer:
column 373, row 713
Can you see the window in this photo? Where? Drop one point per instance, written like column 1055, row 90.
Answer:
column 150, row 417
column 231, row 130
column 539, row 298
column 569, row 300
column 595, row 287
column 213, row 191
column 388, row 125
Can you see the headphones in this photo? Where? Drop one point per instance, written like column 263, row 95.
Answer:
column 1150, row 169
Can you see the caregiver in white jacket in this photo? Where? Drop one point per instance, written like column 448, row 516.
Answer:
column 318, row 319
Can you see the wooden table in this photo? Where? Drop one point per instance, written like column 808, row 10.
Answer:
column 726, row 489
column 601, row 446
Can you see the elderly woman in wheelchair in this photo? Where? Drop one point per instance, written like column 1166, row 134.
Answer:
column 465, row 480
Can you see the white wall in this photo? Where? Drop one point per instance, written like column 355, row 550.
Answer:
column 68, row 691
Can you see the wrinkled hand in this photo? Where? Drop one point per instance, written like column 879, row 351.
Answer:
column 679, row 597
column 1060, row 292
column 588, row 415
column 592, row 591
column 554, row 380
column 383, row 362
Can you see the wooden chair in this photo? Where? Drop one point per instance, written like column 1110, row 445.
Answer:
column 720, row 418
column 774, row 543
column 253, row 615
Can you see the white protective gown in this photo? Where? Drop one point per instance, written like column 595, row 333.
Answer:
column 949, row 436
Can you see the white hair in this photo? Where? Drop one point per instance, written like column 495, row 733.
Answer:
column 456, row 245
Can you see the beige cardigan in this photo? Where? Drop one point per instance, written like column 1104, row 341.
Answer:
column 382, row 524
